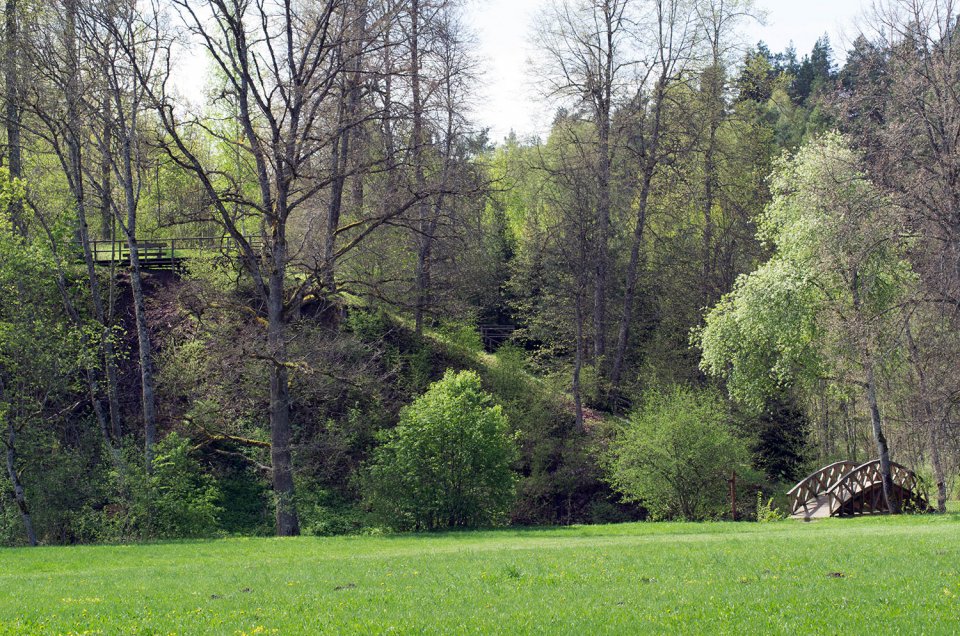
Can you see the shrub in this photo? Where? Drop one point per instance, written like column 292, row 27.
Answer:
column 448, row 461
column 368, row 325
column 327, row 512
column 175, row 500
column 246, row 501
column 766, row 511
column 462, row 337
column 676, row 453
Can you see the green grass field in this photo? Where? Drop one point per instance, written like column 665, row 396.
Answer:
column 872, row 575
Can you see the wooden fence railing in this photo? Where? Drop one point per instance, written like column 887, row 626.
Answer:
column 168, row 252
column 495, row 335
column 806, row 492
column 860, row 491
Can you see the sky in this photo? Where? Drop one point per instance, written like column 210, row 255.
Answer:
column 505, row 100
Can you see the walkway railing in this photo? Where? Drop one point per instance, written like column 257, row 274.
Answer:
column 816, row 484
column 495, row 335
column 168, row 252
column 860, row 491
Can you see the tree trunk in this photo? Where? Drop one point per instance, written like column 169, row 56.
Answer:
column 935, row 461
column 288, row 523
column 147, row 380
column 651, row 158
column 106, row 187
column 424, row 250
column 13, row 106
column 18, row 493
column 338, row 164
column 108, row 233
column 825, row 446
column 424, row 240
column 713, row 78
column 629, row 296
column 929, row 422
column 603, row 239
column 603, row 110
column 578, row 365
column 893, row 504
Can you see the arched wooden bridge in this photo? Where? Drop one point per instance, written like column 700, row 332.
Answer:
column 844, row 489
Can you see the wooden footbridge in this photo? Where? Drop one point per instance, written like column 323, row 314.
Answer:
column 163, row 254
column 844, row 489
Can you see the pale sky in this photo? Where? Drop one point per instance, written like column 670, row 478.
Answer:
column 505, row 99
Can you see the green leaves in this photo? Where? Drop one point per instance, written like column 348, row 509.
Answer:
column 826, row 294
column 447, row 463
column 676, row 453
column 40, row 349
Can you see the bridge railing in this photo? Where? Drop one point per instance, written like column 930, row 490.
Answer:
column 856, row 492
column 495, row 335
column 816, row 484
column 168, row 250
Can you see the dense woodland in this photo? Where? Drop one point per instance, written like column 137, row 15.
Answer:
column 719, row 260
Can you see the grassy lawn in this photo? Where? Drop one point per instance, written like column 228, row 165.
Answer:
column 882, row 575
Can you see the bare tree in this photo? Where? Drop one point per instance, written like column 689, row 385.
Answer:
column 126, row 42
column 669, row 53
column 288, row 70
column 916, row 143
column 437, row 114
column 64, row 124
column 901, row 103
column 350, row 121
column 929, row 415
column 589, row 61
column 718, row 23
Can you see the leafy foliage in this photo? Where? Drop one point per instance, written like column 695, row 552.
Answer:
column 826, row 294
column 766, row 510
column 175, row 499
column 675, row 454
column 447, row 463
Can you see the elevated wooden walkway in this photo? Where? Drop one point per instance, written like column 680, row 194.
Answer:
column 160, row 254
column 845, row 489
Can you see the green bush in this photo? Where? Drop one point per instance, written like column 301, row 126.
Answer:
column 766, row 510
column 368, row 325
column 461, row 336
column 246, row 501
column 447, row 463
column 508, row 378
column 11, row 524
column 324, row 512
column 676, row 453
column 61, row 481
column 415, row 370
column 176, row 499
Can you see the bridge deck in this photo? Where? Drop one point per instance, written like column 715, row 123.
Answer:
column 819, row 508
